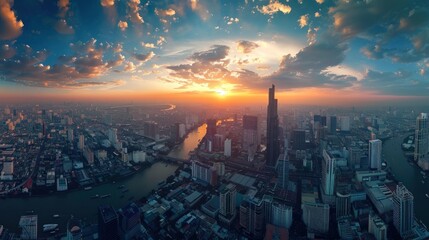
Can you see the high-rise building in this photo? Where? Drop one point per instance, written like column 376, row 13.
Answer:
column 81, row 143
column 227, row 198
column 332, row 124
column 250, row 136
column 403, row 210
column 377, row 227
column 113, row 135
column 273, row 144
column 355, row 155
column 129, row 222
column 28, row 224
column 211, row 128
column 151, row 129
column 204, row 172
column 344, row 122
column 328, row 173
column 227, row 147
column 316, row 217
column 374, row 154
column 343, row 204
column 421, row 141
column 70, row 135
column 283, row 168
column 107, row 223
column 281, row 215
column 298, row 139
column 252, row 217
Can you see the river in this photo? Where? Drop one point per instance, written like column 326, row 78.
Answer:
column 408, row 174
column 80, row 204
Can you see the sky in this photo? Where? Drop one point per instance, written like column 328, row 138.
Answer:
column 314, row 51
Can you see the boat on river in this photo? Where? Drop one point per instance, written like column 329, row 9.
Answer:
column 49, row 227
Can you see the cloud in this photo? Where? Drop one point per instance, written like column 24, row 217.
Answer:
column 373, row 52
column 80, row 69
column 311, row 35
column 144, row 57
column 133, row 11
column 320, row 1
column 166, row 12
column 303, row 20
column 6, row 51
column 215, row 54
column 129, row 67
column 244, row 46
column 355, row 17
column 401, row 82
column 317, row 14
column 161, row 41
column 107, row 3
column 123, row 25
column 231, row 20
column 273, row 7
column 10, row 27
column 62, row 27
column 148, row 45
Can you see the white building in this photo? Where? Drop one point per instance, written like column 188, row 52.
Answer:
column 344, row 123
column 316, row 217
column 139, row 156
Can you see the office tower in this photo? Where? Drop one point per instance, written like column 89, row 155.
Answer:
column 70, row 135
column 227, row 147
column 252, row 217
column 374, row 154
column 204, row 172
column 81, row 143
column 273, row 145
column 151, row 130
column 403, row 210
column 220, row 168
column 283, row 168
column 355, row 155
column 227, row 210
column 107, row 223
column 377, row 227
column 250, row 136
column 421, row 140
column 328, row 173
column 316, row 217
column 332, row 124
column 88, row 154
column 298, row 140
column 211, row 128
column 112, row 134
column 344, row 122
column 179, row 131
column 74, row 229
column 43, row 129
column 281, row 215
column 129, row 222
column 342, row 204
column 28, row 224
column 218, row 142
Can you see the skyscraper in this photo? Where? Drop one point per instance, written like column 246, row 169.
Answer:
column 250, row 135
column 107, row 223
column 273, row 145
column 374, row 154
column 421, row 139
column 328, row 173
column 227, row 210
column 403, row 210
column 283, row 168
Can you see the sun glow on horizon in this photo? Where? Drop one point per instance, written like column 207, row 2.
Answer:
column 221, row 92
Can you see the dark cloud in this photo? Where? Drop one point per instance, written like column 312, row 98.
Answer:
column 79, row 69
column 144, row 57
column 244, row 46
column 216, row 53
column 10, row 26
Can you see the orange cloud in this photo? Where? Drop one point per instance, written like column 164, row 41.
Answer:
column 10, row 27
column 123, row 25
column 107, row 3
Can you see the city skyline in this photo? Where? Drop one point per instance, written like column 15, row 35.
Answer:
column 358, row 52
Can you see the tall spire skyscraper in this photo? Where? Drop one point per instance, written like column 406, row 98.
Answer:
column 273, row 144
